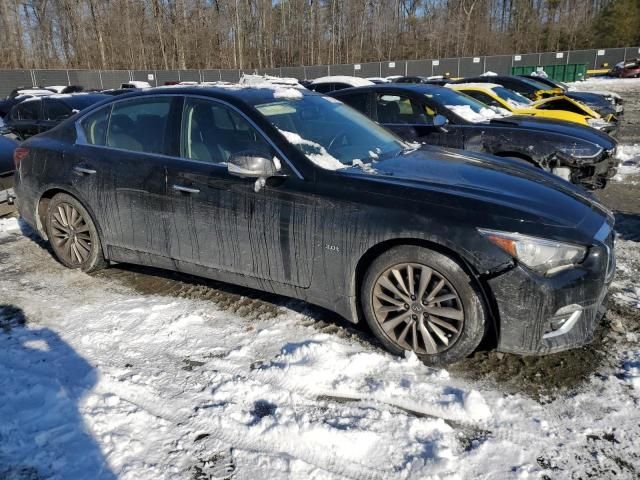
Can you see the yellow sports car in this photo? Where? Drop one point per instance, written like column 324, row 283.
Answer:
column 557, row 108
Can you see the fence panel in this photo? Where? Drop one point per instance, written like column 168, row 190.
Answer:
column 610, row 58
column 11, row 79
column 189, row 75
column 89, row 79
column 500, row 64
column 163, row 76
column 230, row 75
column 419, row 67
column 212, row 75
column 114, row 78
column 447, row 67
column 393, row 67
column 293, row 72
column 631, row 53
column 316, row 71
column 345, row 69
column 46, row 78
column 148, row 76
column 367, row 69
column 471, row 66
column 586, row 57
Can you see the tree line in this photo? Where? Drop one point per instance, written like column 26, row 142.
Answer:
column 199, row 34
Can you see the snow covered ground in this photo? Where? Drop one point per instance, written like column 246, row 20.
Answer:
column 99, row 381
column 105, row 377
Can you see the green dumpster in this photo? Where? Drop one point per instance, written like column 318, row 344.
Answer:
column 570, row 72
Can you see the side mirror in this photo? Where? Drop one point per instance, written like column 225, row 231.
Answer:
column 251, row 164
column 440, row 122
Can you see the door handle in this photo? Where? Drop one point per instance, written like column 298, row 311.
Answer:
column 180, row 188
column 84, row 170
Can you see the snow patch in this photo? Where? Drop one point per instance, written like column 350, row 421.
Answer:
column 314, row 151
column 629, row 158
column 484, row 115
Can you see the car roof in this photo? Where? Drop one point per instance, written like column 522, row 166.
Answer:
column 476, row 85
column 353, row 81
column 415, row 87
column 250, row 94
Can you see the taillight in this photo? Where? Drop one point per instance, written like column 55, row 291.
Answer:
column 19, row 154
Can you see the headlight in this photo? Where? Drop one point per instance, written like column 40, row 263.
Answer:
column 543, row 256
column 597, row 123
column 580, row 151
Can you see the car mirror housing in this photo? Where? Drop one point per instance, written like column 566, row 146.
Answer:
column 250, row 164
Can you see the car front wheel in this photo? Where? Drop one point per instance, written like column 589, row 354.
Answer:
column 420, row 300
column 73, row 235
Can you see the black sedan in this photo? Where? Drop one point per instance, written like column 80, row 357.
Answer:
column 295, row 193
column 440, row 116
column 39, row 114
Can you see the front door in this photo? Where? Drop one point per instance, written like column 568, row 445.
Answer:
column 236, row 224
column 412, row 120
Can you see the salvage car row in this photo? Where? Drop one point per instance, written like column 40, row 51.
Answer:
column 275, row 187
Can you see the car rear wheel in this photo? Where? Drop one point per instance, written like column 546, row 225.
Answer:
column 420, row 300
column 73, row 235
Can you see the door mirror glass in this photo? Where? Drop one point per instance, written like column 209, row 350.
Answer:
column 440, row 121
column 250, row 164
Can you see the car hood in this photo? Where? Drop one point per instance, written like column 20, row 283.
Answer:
column 533, row 193
column 558, row 127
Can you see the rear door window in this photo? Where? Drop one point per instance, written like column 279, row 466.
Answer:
column 139, row 125
column 323, row 87
column 95, row 125
column 359, row 101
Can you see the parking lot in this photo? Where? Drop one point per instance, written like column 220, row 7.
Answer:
column 139, row 373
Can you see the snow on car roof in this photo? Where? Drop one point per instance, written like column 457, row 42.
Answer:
column 35, row 92
column 478, row 85
column 353, row 81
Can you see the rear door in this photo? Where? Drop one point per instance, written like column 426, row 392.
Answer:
column 119, row 166
column 229, row 223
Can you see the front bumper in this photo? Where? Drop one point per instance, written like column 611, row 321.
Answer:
column 592, row 175
column 527, row 303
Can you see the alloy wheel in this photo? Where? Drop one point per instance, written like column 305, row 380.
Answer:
column 70, row 234
column 418, row 308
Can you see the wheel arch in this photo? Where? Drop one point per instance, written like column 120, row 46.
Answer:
column 43, row 204
column 367, row 258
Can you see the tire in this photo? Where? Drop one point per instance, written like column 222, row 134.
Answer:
column 73, row 235
column 457, row 297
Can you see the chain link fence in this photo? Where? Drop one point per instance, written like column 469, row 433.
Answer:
column 595, row 59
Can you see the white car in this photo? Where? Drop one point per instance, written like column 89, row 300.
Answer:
column 337, row 82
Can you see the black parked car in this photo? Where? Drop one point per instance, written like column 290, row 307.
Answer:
column 420, row 79
column 297, row 194
column 607, row 104
column 444, row 117
column 7, row 146
column 39, row 114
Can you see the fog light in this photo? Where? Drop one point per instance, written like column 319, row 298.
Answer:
column 563, row 321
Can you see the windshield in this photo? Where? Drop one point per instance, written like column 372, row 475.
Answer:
column 329, row 133
column 463, row 106
column 513, row 98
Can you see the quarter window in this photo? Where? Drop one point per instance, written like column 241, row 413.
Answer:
column 139, row 125
column 94, row 126
column 212, row 132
